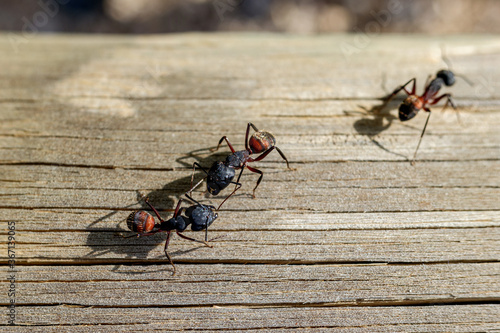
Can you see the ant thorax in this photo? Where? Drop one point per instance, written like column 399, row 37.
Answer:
column 410, row 107
column 178, row 223
column 237, row 159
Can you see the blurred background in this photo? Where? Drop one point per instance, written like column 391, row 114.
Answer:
column 292, row 16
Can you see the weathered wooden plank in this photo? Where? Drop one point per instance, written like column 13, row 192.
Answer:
column 322, row 187
column 258, row 285
column 263, row 66
column 312, row 197
column 88, row 125
column 74, row 219
column 120, row 155
column 341, row 175
column 304, row 138
column 240, row 246
column 287, row 118
column 467, row 318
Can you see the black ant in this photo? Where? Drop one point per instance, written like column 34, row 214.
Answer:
column 414, row 103
column 221, row 174
column 199, row 216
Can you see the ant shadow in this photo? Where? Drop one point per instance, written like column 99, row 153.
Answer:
column 375, row 121
column 105, row 240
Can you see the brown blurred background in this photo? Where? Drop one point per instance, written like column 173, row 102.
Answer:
column 299, row 16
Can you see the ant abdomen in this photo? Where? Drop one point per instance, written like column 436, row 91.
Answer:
column 261, row 141
column 407, row 112
column 409, row 108
column 447, row 76
column 140, row 222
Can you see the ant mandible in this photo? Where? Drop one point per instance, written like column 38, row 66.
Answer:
column 414, row 103
column 199, row 216
column 221, row 174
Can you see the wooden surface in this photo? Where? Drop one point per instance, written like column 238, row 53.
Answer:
column 354, row 239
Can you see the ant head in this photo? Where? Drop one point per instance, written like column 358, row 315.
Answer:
column 261, row 141
column 213, row 188
column 409, row 108
column 140, row 222
column 201, row 216
column 219, row 177
column 447, row 76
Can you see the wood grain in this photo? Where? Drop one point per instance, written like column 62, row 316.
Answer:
column 353, row 239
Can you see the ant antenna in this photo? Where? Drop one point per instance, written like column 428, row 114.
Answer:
column 447, row 61
column 190, row 198
column 194, row 187
column 444, row 57
column 206, row 229
column 466, row 79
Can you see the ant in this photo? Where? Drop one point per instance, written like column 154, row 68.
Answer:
column 414, row 103
column 199, row 216
column 221, row 174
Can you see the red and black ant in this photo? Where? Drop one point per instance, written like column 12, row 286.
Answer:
column 414, row 103
column 199, row 216
column 221, row 174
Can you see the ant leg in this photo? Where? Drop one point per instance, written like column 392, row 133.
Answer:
column 196, row 164
column 264, row 154
column 190, row 198
column 253, row 126
column 428, row 80
column 259, row 180
column 421, row 135
column 142, row 235
column 151, row 233
column 448, row 96
column 448, row 101
column 396, row 91
column 154, row 209
column 248, row 132
column 178, row 209
column 239, row 176
column 260, row 157
column 193, row 240
column 283, row 157
column 220, row 142
column 166, row 252
column 237, row 187
column 129, row 236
